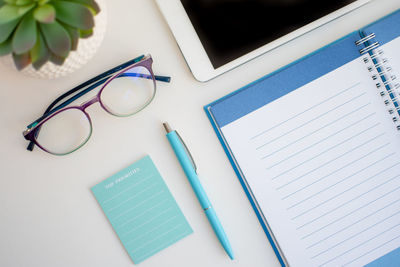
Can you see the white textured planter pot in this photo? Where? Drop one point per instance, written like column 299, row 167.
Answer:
column 87, row 48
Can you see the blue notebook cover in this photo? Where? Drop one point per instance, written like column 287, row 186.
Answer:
column 279, row 83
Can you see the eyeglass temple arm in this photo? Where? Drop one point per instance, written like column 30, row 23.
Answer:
column 51, row 110
column 93, row 84
column 159, row 78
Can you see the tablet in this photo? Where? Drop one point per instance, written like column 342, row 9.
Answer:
column 218, row 35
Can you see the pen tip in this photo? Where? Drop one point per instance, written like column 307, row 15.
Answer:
column 230, row 254
column 167, row 127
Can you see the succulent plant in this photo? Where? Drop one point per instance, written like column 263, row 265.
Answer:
column 38, row 31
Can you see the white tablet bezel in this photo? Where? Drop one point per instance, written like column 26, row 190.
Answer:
column 195, row 54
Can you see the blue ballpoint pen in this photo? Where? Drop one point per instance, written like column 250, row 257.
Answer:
column 189, row 167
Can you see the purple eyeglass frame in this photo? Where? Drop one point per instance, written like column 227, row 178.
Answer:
column 102, row 80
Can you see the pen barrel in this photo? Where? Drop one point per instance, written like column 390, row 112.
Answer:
column 187, row 167
column 219, row 230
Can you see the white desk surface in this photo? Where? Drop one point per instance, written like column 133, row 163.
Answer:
column 49, row 217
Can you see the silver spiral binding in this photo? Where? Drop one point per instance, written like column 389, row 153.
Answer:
column 382, row 74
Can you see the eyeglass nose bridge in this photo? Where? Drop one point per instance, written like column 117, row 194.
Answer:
column 90, row 102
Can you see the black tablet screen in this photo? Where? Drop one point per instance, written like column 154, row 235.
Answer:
column 229, row 29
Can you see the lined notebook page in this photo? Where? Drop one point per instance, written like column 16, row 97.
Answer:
column 324, row 167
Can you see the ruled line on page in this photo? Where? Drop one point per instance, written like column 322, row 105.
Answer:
column 331, row 198
column 316, row 143
column 329, row 174
column 326, row 163
column 321, row 128
column 127, row 189
column 295, row 116
column 154, row 229
column 148, row 221
column 138, row 204
column 311, row 120
column 366, row 253
column 346, row 178
column 322, row 140
column 360, row 232
column 330, row 148
column 132, row 197
column 144, row 256
column 331, row 235
column 347, row 251
column 157, row 238
column 350, row 213
column 142, row 213
column 349, row 201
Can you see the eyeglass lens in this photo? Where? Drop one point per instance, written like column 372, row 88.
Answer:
column 128, row 92
column 65, row 132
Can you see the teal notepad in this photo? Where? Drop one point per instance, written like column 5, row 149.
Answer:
column 141, row 209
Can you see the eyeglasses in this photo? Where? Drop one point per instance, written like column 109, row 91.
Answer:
column 125, row 90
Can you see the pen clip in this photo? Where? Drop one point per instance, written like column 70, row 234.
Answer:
column 187, row 152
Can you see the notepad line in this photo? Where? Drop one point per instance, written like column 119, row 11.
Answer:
column 128, row 188
column 171, row 241
column 352, row 212
column 324, row 101
column 347, row 177
column 152, row 219
column 132, row 197
column 137, row 205
column 322, row 140
column 152, row 230
column 308, row 122
column 154, row 239
column 327, row 150
column 339, row 194
column 140, row 214
column 347, row 202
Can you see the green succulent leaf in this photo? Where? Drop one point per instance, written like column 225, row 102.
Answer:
column 42, row 2
column 6, row 47
column 22, row 60
column 73, row 34
column 45, row 13
column 39, row 53
column 85, row 33
column 57, row 59
column 10, row 12
column 73, row 14
column 57, row 38
column 25, row 35
column 7, row 29
column 91, row 4
column 23, row 2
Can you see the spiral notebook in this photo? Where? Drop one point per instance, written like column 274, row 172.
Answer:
column 316, row 147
